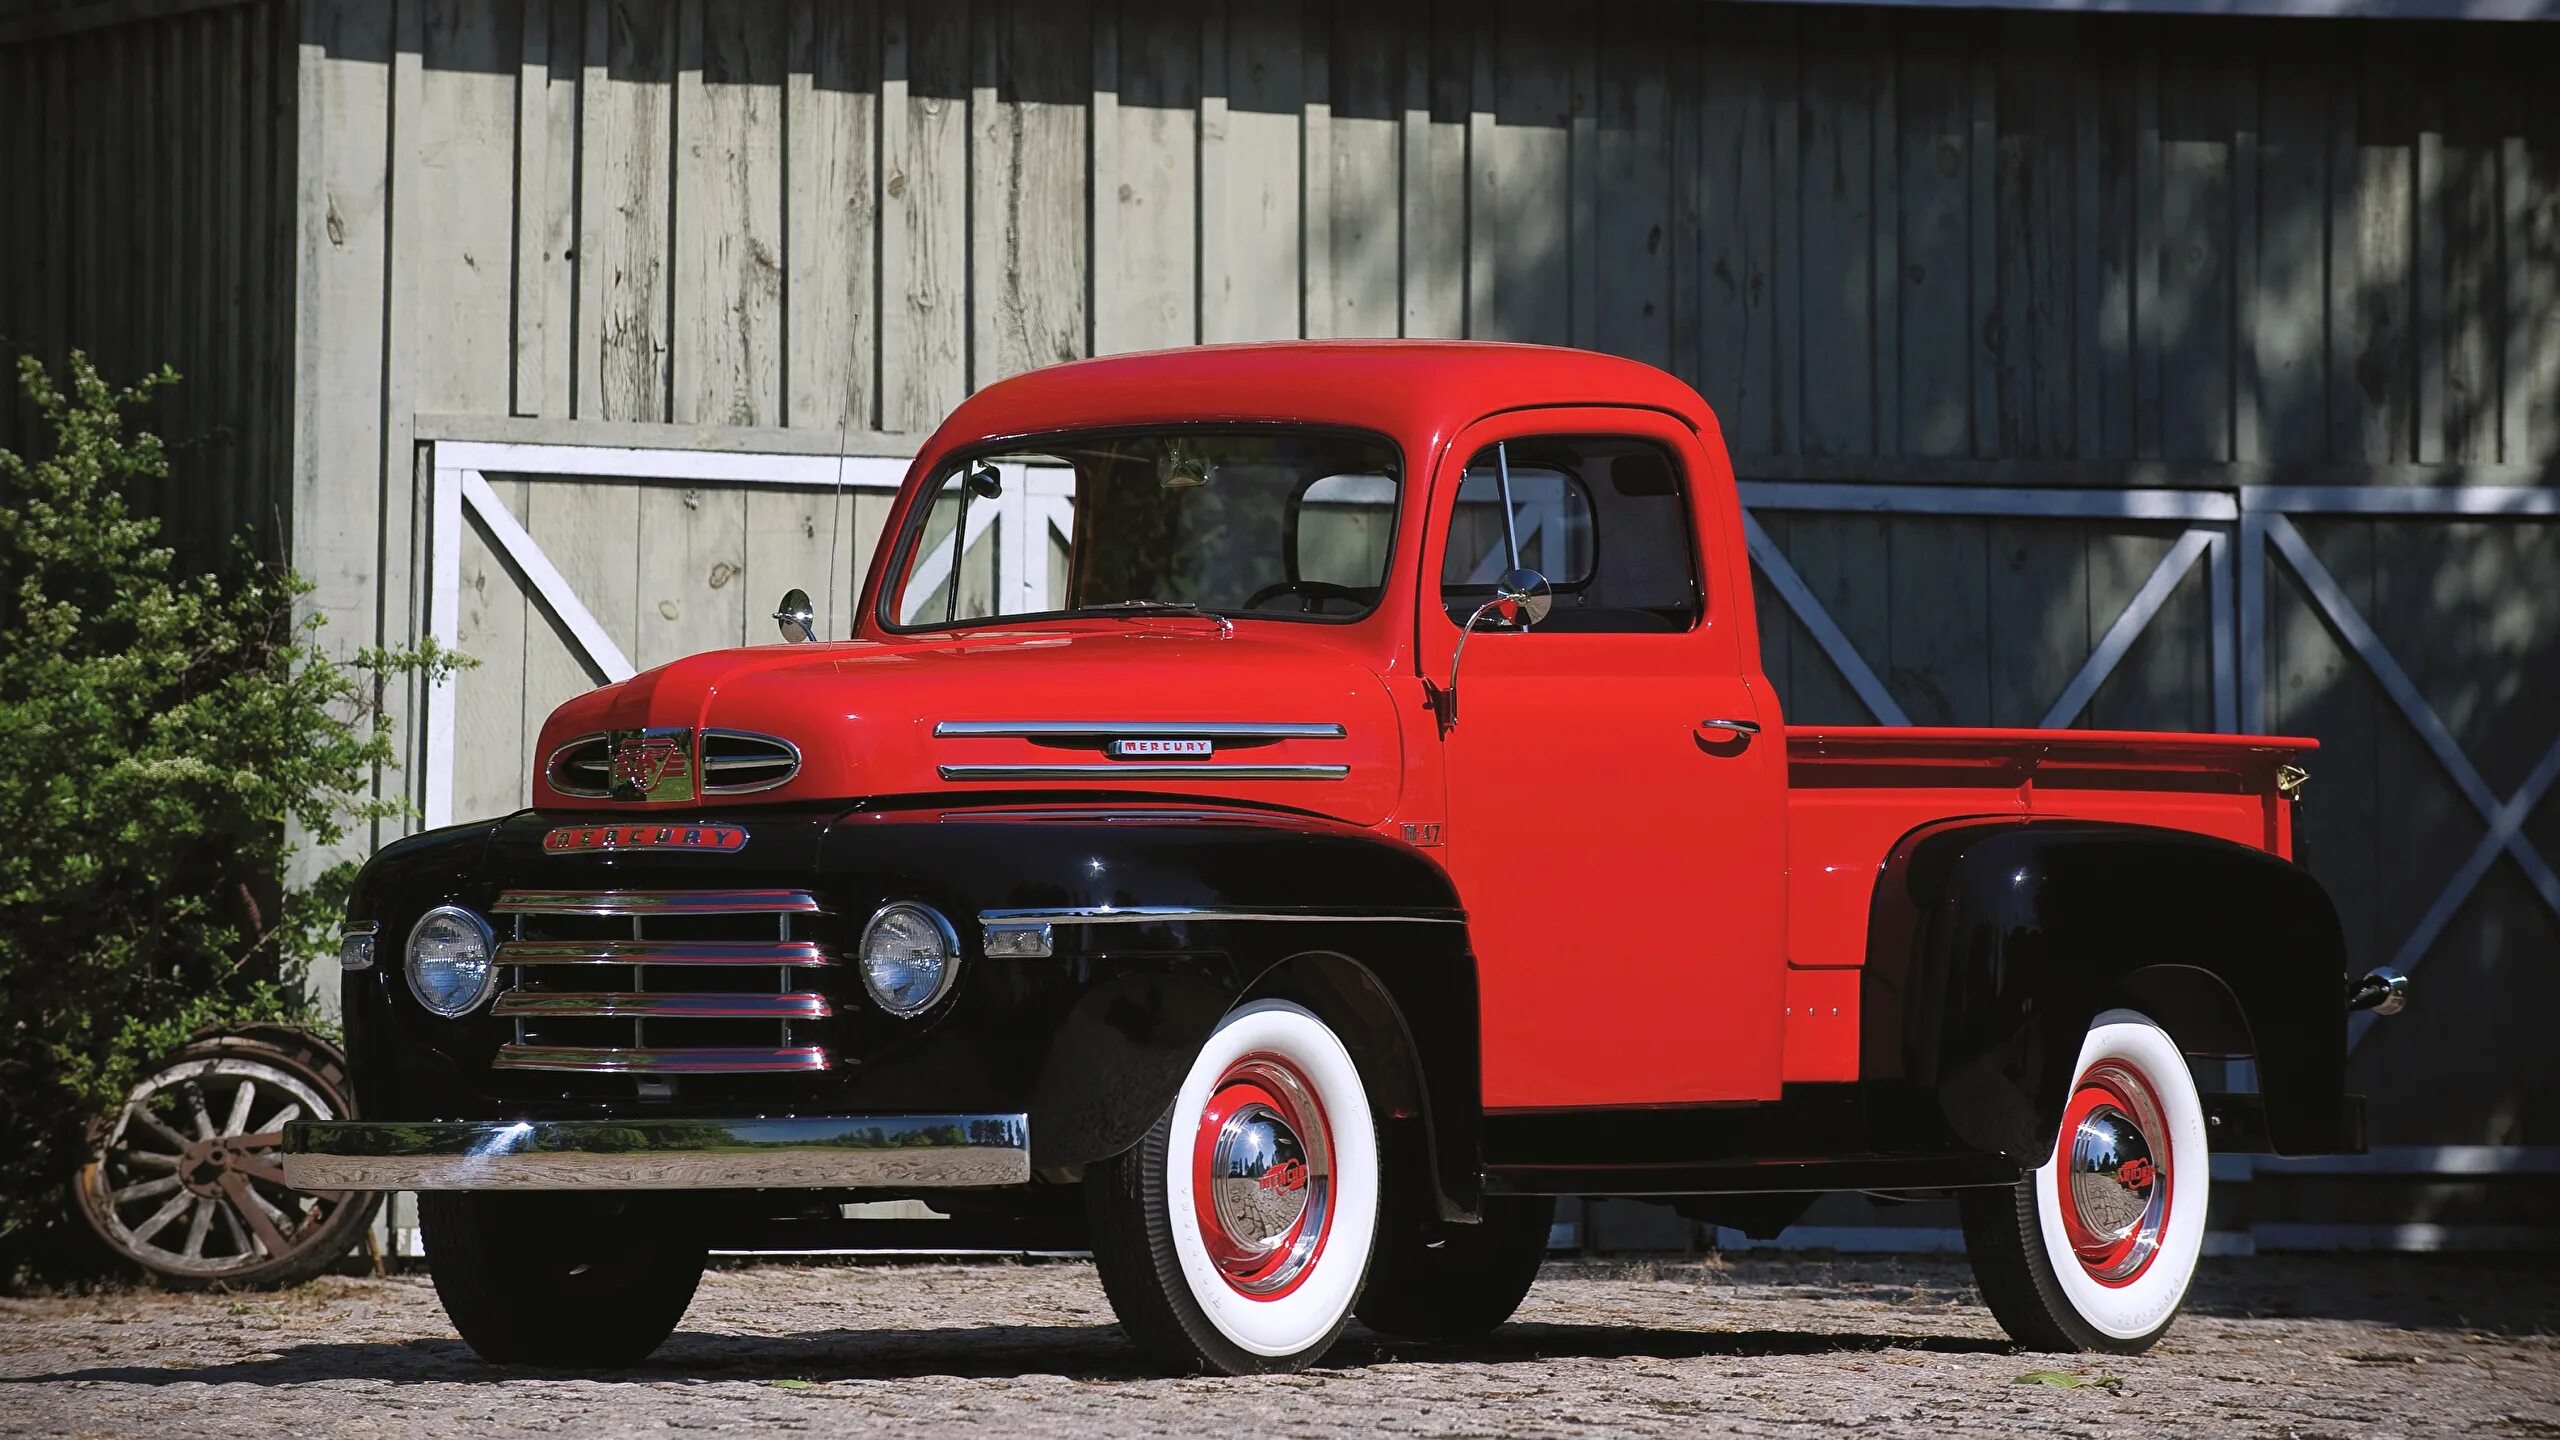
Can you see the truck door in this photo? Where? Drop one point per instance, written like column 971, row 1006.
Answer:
column 1615, row 826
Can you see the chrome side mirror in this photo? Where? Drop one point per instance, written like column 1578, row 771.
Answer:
column 1521, row 597
column 797, row 617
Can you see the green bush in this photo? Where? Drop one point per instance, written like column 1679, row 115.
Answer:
column 165, row 741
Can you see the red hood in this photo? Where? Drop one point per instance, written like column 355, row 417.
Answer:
column 863, row 712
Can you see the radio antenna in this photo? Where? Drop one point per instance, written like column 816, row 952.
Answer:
column 835, row 518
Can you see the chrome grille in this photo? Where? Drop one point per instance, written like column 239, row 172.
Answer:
column 582, row 767
column 735, row 762
column 661, row 982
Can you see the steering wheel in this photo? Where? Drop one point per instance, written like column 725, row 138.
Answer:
column 1310, row 593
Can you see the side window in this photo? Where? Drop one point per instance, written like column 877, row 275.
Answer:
column 1606, row 521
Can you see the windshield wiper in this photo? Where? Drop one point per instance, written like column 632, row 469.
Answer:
column 1163, row 607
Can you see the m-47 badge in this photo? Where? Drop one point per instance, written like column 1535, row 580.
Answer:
column 653, row 765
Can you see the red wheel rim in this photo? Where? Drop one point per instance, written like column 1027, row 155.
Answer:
column 1262, row 1176
column 2113, row 1170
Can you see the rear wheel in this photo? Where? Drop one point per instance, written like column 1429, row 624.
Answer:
column 1235, row 1236
column 575, row 1281
column 1437, row 1281
column 2095, row 1249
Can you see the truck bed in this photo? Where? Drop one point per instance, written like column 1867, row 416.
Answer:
column 1855, row 790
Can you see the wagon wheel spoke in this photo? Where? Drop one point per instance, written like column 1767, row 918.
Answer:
column 242, row 1097
column 147, row 1160
column 162, row 1218
column 276, row 1122
column 144, row 1189
column 253, row 1208
column 193, row 1094
column 197, row 1227
column 160, row 1127
column 240, row 1244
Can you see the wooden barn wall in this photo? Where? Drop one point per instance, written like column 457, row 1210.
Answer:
column 146, row 206
column 1921, row 246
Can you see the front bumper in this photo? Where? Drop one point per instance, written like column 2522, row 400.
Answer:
column 844, row 1152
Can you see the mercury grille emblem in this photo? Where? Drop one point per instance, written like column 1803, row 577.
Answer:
column 654, row 764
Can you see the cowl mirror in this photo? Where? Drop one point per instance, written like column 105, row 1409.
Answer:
column 797, row 617
column 1521, row 597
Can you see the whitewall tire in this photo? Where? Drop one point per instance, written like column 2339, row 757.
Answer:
column 1235, row 1237
column 2094, row 1250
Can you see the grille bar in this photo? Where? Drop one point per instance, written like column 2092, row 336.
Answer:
column 657, row 902
column 659, row 1005
column 800, row 953
column 730, row 1060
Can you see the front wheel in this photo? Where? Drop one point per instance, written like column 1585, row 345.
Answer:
column 2094, row 1250
column 1235, row 1236
column 567, row 1280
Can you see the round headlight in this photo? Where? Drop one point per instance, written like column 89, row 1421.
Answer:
column 449, row 954
column 910, row 956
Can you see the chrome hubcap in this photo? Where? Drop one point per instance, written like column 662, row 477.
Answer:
column 1262, row 1176
column 2115, row 1177
column 1259, row 1175
column 2112, row 1177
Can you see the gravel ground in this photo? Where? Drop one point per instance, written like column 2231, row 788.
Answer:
column 1751, row 1345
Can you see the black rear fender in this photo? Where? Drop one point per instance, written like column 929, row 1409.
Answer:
column 1993, row 944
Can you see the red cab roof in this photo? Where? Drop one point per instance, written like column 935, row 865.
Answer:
column 1419, row 391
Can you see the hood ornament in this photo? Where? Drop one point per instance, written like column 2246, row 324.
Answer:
column 654, row 764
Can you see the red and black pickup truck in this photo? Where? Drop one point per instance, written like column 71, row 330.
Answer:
column 1358, row 817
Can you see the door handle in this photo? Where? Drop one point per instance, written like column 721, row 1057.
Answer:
column 1744, row 728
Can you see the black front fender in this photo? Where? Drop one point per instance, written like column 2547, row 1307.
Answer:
column 1993, row 944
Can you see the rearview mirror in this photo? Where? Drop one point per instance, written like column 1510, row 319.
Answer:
column 797, row 617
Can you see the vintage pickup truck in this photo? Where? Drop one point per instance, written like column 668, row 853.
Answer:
column 1375, row 824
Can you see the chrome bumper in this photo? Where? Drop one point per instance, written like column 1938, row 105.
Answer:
column 895, row 1152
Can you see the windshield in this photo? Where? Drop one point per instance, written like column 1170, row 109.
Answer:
column 1261, row 523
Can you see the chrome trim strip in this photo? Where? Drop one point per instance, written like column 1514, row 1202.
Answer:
column 1127, row 770
column 1136, row 730
column 740, row 762
column 666, row 952
column 692, row 1060
column 798, row 1152
column 655, row 902
column 1177, row 914
column 659, row 1005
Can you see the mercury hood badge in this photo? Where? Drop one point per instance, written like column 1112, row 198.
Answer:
column 654, row 764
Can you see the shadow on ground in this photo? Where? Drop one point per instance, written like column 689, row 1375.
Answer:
column 1078, row 1352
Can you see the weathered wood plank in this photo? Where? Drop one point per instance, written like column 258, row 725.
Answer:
column 1937, row 601
column 1936, row 355
column 547, row 144
column 2464, row 274
column 1729, row 221
column 1631, row 195
column 2194, row 265
column 727, row 366
column 1847, row 565
column 2103, row 205
column 1835, row 262
column 2165, row 682
column 456, row 239
column 2041, row 622
column 625, row 187
column 1251, row 233
column 692, row 549
column 1438, row 83
column 830, row 200
column 491, row 774
column 1028, row 240
column 1355, row 233
column 2372, row 408
column 2286, row 330
column 924, row 212
column 2034, row 343
column 1147, row 178
column 1520, row 168
column 590, row 531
